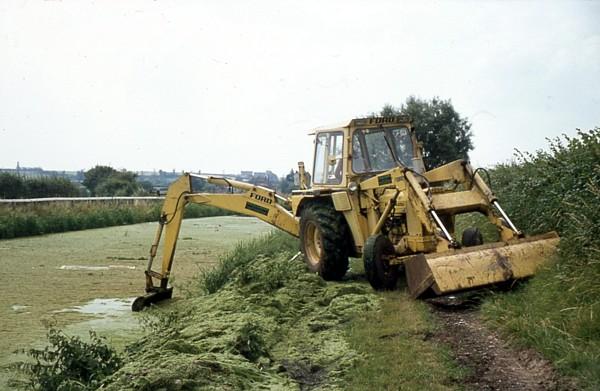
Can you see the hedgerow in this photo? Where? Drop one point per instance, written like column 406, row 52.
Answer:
column 53, row 218
column 15, row 186
column 558, row 312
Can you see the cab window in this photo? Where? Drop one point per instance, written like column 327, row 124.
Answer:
column 328, row 158
column 371, row 153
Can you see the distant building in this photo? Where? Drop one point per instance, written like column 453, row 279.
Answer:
column 160, row 180
column 38, row 172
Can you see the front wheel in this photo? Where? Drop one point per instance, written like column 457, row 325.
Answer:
column 377, row 253
column 472, row 237
column 324, row 241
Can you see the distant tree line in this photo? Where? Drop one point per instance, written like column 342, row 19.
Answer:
column 15, row 186
column 101, row 181
column 105, row 181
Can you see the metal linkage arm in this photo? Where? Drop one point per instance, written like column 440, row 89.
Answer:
column 416, row 187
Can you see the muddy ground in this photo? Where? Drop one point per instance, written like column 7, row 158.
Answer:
column 492, row 363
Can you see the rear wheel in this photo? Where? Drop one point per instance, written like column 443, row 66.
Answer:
column 324, row 241
column 472, row 237
column 376, row 256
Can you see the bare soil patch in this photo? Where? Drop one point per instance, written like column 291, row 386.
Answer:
column 493, row 363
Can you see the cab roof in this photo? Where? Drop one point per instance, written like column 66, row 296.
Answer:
column 371, row 121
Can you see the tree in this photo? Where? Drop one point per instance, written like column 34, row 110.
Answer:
column 106, row 181
column 116, row 185
column 446, row 136
column 14, row 186
column 96, row 175
column 286, row 184
column 50, row 187
column 11, row 186
column 146, row 187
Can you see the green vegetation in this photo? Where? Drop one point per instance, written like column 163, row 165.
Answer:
column 14, row 186
column 446, row 136
column 69, row 364
column 558, row 312
column 212, row 280
column 18, row 221
column 258, row 320
column 268, row 324
column 398, row 355
column 77, row 268
column 105, row 181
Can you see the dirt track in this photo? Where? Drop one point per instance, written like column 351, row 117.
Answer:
column 494, row 365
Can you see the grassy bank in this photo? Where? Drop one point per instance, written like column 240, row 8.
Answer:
column 558, row 312
column 259, row 321
column 28, row 220
column 396, row 353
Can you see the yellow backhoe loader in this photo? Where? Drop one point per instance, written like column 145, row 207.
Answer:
column 372, row 197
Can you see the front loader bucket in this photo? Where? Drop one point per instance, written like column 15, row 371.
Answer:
column 472, row 267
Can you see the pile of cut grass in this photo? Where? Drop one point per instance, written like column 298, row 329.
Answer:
column 38, row 219
column 259, row 320
column 558, row 311
column 266, row 324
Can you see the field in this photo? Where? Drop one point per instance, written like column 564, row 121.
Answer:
column 45, row 275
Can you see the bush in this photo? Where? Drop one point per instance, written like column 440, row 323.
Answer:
column 14, row 186
column 69, row 363
column 194, row 211
column 11, row 186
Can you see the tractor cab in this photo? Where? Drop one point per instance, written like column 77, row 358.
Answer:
column 362, row 148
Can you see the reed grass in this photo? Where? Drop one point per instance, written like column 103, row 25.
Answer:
column 29, row 220
column 558, row 311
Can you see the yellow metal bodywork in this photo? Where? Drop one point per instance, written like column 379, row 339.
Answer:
column 472, row 267
column 251, row 200
column 416, row 197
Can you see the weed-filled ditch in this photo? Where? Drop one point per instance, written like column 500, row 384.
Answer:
column 258, row 320
column 269, row 324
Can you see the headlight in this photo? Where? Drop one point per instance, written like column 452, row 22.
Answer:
column 353, row 186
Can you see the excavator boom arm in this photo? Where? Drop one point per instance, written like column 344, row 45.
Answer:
column 255, row 201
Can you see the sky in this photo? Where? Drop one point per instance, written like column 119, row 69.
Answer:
column 224, row 86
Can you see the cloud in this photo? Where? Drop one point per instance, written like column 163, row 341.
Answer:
column 226, row 86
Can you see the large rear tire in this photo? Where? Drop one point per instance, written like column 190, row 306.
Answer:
column 381, row 275
column 324, row 241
